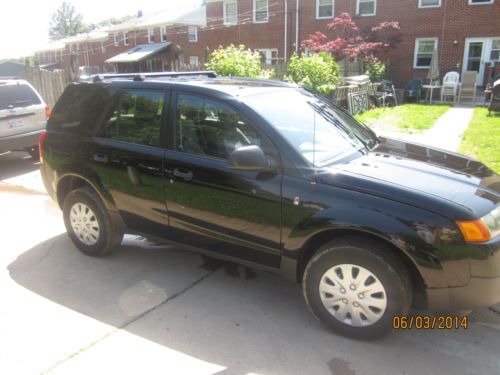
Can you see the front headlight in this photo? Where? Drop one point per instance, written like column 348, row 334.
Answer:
column 483, row 229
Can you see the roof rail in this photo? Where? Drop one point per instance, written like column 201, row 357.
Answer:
column 11, row 77
column 143, row 76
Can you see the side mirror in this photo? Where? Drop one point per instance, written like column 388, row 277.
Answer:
column 248, row 158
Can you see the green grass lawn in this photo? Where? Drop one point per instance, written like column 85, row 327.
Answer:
column 482, row 139
column 406, row 118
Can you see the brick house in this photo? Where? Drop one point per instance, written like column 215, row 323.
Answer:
column 466, row 33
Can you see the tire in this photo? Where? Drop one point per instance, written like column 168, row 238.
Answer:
column 372, row 314
column 83, row 233
column 34, row 153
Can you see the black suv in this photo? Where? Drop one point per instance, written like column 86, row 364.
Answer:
column 269, row 175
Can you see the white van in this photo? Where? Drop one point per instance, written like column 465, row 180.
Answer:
column 23, row 116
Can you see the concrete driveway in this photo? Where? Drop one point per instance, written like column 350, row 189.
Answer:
column 151, row 309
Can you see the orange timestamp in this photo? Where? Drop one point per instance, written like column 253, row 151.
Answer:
column 447, row 322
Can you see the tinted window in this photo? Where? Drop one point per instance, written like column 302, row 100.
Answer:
column 136, row 118
column 207, row 127
column 20, row 95
column 80, row 108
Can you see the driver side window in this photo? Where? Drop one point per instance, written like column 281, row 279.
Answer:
column 210, row 128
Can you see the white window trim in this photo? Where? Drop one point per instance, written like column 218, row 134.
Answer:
column 266, row 50
column 325, row 18
column 483, row 3
column 151, row 35
column 367, row 15
column 255, row 12
column 197, row 60
column 163, row 33
column 224, row 3
column 126, row 38
column 417, row 41
column 420, row 5
column 116, row 39
column 195, row 28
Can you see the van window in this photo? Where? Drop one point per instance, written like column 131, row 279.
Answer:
column 135, row 118
column 19, row 95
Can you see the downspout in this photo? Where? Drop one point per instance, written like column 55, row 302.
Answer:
column 297, row 26
column 286, row 32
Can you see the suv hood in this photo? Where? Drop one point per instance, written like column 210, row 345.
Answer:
column 437, row 180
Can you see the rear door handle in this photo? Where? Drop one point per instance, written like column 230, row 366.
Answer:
column 101, row 158
column 183, row 173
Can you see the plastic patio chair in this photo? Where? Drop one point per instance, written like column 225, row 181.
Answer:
column 468, row 85
column 451, row 82
column 414, row 89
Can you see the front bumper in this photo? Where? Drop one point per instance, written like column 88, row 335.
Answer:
column 483, row 289
column 20, row 141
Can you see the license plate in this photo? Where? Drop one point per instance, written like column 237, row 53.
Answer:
column 16, row 124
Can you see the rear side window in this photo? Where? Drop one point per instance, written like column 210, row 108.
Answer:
column 136, row 118
column 80, row 108
column 19, row 95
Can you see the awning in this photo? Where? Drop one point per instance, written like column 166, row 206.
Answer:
column 138, row 53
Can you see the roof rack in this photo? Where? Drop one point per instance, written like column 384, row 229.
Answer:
column 143, row 76
column 11, row 77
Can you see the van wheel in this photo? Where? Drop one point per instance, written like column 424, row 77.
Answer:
column 88, row 224
column 356, row 286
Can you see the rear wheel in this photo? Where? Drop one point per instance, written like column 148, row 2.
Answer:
column 88, row 224
column 356, row 286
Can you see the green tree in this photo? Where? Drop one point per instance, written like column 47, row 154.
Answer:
column 66, row 21
column 318, row 72
column 237, row 61
column 376, row 69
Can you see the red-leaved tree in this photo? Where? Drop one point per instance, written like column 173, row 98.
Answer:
column 350, row 41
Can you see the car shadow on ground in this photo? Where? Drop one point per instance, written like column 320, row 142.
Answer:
column 16, row 163
column 242, row 320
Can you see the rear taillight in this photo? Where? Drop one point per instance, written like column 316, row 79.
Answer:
column 48, row 112
column 40, row 145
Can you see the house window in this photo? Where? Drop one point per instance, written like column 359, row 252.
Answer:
column 429, row 3
column 193, row 61
column 151, row 35
column 103, row 47
column 268, row 55
column 163, row 34
column 230, row 12
column 479, row 2
column 260, row 11
column 424, row 48
column 366, row 7
column 192, row 33
column 324, row 9
column 117, row 39
column 495, row 50
column 125, row 38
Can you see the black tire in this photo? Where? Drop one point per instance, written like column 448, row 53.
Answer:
column 34, row 153
column 109, row 238
column 378, row 260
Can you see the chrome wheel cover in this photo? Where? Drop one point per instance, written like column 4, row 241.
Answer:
column 353, row 295
column 84, row 224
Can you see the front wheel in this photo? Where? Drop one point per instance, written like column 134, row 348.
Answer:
column 88, row 223
column 356, row 286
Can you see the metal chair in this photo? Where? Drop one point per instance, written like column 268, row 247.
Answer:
column 414, row 89
column 468, row 85
column 451, row 82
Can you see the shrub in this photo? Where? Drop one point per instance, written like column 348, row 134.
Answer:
column 236, row 61
column 376, row 69
column 317, row 72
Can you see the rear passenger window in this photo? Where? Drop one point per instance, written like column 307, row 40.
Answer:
column 136, row 118
column 207, row 127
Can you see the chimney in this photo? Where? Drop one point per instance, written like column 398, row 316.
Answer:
column 139, row 14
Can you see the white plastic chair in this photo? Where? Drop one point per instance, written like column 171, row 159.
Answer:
column 451, row 83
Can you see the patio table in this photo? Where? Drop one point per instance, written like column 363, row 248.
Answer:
column 430, row 88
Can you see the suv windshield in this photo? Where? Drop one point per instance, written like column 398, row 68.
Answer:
column 298, row 115
column 19, row 95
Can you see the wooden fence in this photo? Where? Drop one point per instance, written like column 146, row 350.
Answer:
column 50, row 85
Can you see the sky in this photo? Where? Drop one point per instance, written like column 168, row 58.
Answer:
column 24, row 24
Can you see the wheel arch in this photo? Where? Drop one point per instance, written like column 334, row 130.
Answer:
column 314, row 243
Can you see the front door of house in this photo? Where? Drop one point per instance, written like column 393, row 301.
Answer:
column 474, row 57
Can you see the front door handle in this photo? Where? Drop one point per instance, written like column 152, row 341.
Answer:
column 183, row 173
column 101, row 158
